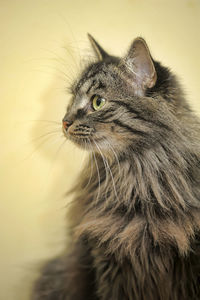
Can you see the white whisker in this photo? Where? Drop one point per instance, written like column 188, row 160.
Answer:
column 104, row 161
column 48, row 136
column 115, row 154
column 97, row 168
column 111, row 174
column 43, row 135
column 82, row 159
column 56, row 155
column 91, row 170
column 45, row 121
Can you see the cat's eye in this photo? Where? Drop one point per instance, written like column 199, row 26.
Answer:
column 97, row 102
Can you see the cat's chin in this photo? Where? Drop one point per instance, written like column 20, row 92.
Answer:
column 81, row 143
column 90, row 146
column 98, row 145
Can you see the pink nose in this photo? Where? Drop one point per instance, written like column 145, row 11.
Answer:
column 66, row 124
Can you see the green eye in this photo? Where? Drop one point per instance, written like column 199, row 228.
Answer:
column 98, row 102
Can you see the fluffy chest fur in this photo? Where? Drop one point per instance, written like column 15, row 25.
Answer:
column 142, row 235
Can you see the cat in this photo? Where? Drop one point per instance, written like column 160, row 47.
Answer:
column 135, row 219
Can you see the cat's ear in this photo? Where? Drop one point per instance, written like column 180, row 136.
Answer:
column 139, row 65
column 99, row 51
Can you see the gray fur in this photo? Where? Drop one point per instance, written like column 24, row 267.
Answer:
column 136, row 216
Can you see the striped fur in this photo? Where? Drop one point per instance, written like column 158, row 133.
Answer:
column 135, row 220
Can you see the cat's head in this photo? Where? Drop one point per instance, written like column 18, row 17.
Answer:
column 119, row 103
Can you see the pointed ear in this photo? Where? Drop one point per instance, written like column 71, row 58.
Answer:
column 99, row 51
column 139, row 65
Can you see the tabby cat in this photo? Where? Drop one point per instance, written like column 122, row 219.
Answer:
column 135, row 218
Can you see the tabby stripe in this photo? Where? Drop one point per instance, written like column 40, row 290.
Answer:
column 81, row 130
column 92, row 84
column 81, row 134
column 105, row 119
column 100, row 72
column 84, row 126
column 100, row 86
column 104, row 114
column 131, row 110
column 134, row 131
column 92, row 75
column 128, row 107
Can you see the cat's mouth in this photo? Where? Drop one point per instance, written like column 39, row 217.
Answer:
column 80, row 139
column 85, row 141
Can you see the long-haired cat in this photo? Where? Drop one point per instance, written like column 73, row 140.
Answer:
column 135, row 221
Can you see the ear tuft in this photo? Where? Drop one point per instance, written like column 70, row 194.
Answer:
column 139, row 63
column 99, row 51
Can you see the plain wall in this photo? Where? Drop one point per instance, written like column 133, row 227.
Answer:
column 40, row 49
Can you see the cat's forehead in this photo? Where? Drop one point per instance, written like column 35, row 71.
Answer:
column 99, row 74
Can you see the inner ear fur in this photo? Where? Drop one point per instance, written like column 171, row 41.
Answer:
column 139, row 65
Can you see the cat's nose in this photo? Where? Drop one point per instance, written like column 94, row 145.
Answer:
column 66, row 124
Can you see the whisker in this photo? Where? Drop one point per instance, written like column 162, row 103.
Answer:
column 66, row 48
column 44, row 121
column 62, row 61
column 38, row 146
column 55, row 57
column 64, row 77
column 56, row 155
column 111, row 174
column 61, row 72
column 115, row 154
column 91, row 170
column 71, row 33
column 83, row 158
column 114, row 187
column 104, row 160
column 43, row 135
column 97, row 168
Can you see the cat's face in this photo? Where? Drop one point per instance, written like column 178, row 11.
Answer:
column 109, row 110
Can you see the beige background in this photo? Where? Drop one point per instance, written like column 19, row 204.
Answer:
column 41, row 43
